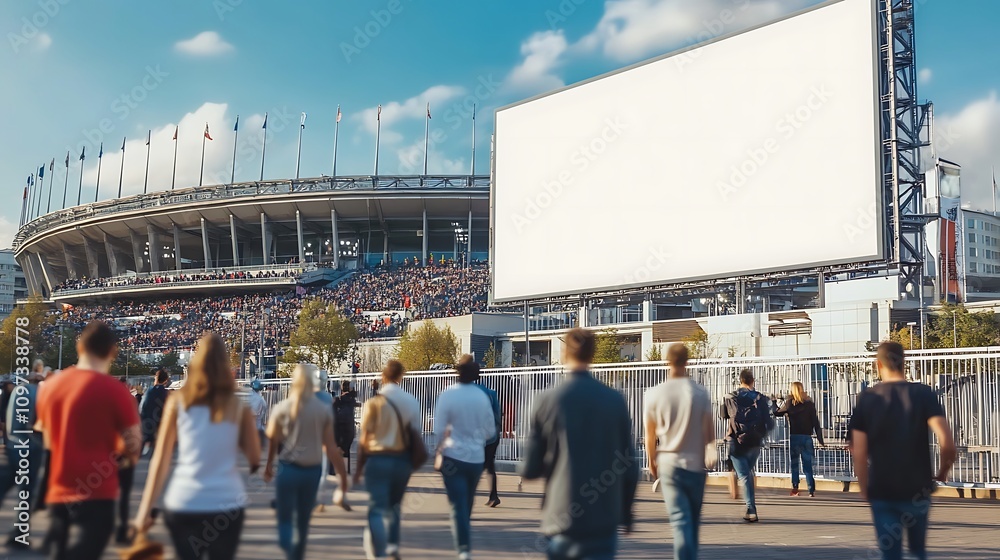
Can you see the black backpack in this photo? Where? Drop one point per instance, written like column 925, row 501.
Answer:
column 752, row 418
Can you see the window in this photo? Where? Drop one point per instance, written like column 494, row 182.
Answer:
column 972, row 267
column 972, row 251
column 972, row 238
column 970, row 223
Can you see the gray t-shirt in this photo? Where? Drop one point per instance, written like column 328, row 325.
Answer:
column 682, row 411
column 303, row 437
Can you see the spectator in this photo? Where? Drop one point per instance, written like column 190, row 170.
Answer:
column 151, row 408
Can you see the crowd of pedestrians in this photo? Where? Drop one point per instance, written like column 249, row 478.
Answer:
column 89, row 427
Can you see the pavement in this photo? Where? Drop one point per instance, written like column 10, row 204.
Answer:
column 833, row 525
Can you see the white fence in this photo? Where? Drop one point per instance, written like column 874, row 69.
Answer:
column 966, row 381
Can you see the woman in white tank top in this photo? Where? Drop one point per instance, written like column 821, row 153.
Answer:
column 210, row 427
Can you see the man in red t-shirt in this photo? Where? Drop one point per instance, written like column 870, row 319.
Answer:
column 86, row 416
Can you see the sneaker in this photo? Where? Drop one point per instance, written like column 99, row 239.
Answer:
column 795, row 492
column 812, row 494
column 392, row 551
column 750, row 518
column 464, row 556
column 493, row 502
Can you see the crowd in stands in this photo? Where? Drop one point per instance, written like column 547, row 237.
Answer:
column 379, row 302
column 149, row 280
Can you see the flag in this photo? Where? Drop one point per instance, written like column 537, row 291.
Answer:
column 52, row 165
column 176, row 128
column 30, row 180
column 100, row 153
column 265, row 121
column 67, row 160
column 207, row 135
column 378, row 116
column 302, row 121
column 338, row 113
column 428, row 110
column 41, row 171
column 25, row 194
column 83, row 153
column 149, row 134
column 236, row 126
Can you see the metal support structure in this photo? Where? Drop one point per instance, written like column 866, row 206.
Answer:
column 335, row 238
column 93, row 265
column 70, row 263
column 423, row 253
column 263, row 238
column 112, row 256
column 232, row 235
column 138, row 262
column 298, row 236
column 178, row 264
column 155, row 247
column 204, row 245
column 468, row 242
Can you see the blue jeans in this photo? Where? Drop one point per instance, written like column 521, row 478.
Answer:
column 386, row 477
column 801, row 447
column 460, row 481
column 684, row 493
column 296, row 497
column 744, row 461
column 894, row 519
column 563, row 547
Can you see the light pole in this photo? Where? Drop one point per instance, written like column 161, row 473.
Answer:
column 910, row 326
column 263, row 320
column 954, row 329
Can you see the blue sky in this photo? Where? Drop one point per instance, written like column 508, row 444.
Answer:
column 71, row 68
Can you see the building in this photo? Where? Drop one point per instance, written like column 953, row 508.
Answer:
column 12, row 284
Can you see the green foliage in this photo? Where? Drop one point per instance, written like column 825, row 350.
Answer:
column 427, row 345
column 491, row 358
column 323, row 336
column 127, row 364
column 654, row 354
column 942, row 327
column 33, row 319
column 609, row 348
column 700, row 346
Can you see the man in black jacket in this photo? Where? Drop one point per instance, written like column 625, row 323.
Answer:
column 581, row 443
column 151, row 408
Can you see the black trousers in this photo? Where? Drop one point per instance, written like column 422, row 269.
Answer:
column 214, row 535
column 126, row 478
column 491, row 467
column 94, row 520
column 345, row 438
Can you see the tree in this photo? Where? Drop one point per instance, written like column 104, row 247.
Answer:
column 654, row 354
column 323, row 336
column 700, row 346
column 420, row 348
column 951, row 322
column 491, row 358
column 26, row 327
column 608, row 347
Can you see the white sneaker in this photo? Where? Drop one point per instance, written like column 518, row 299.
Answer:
column 392, row 550
column 464, row 556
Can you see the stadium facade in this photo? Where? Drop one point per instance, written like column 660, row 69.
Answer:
column 327, row 222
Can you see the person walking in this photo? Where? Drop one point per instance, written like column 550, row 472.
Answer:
column 384, row 461
column 258, row 406
column 85, row 414
column 572, row 447
column 748, row 414
column 210, row 426
column 151, row 409
column 803, row 421
column 890, row 446
column 463, row 424
column 22, row 443
column 302, row 426
column 493, row 443
column 344, row 406
column 680, row 445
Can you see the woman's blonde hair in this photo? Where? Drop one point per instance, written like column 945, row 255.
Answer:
column 799, row 394
column 209, row 379
column 303, row 387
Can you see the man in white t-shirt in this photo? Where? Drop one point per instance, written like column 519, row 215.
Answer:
column 678, row 419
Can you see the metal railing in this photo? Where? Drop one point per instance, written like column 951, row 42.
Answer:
column 160, row 199
column 966, row 381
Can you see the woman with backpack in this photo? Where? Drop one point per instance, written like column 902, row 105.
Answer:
column 802, row 422
column 302, row 426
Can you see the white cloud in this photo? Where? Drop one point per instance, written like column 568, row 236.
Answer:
column 971, row 138
column 633, row 29
column 415, row 107
column 543, row 53
column 925, row 75
column 7, row 231
column 43, row 41
column 206, row 43
column 411, row 161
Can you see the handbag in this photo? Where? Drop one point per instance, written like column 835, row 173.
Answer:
column 413, row 441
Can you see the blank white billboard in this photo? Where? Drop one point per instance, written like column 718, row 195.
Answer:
column 756, row 152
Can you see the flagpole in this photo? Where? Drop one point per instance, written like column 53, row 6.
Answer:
column 173, row 174
column 473, row 172
column 79, row 192
column 66, row 182
column 31, row 197
column 41, row 189
column 994, row 191
column 52, row 183
column 100, row 160
column 378, row 131
column 298, row 149
column 236, row 138
column 201, row 174
column 427, row 128
column 263, row 147
column 121, row 173
column 336, row 137
column 35, row 197
column 145, row 181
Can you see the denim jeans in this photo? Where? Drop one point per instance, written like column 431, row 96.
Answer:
column 744, row 461
column 801, row 447
column 296, row 496
column 684, row 493
column 386, row 477
column 894, row 519
column 563, row 547
column 460, row 481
